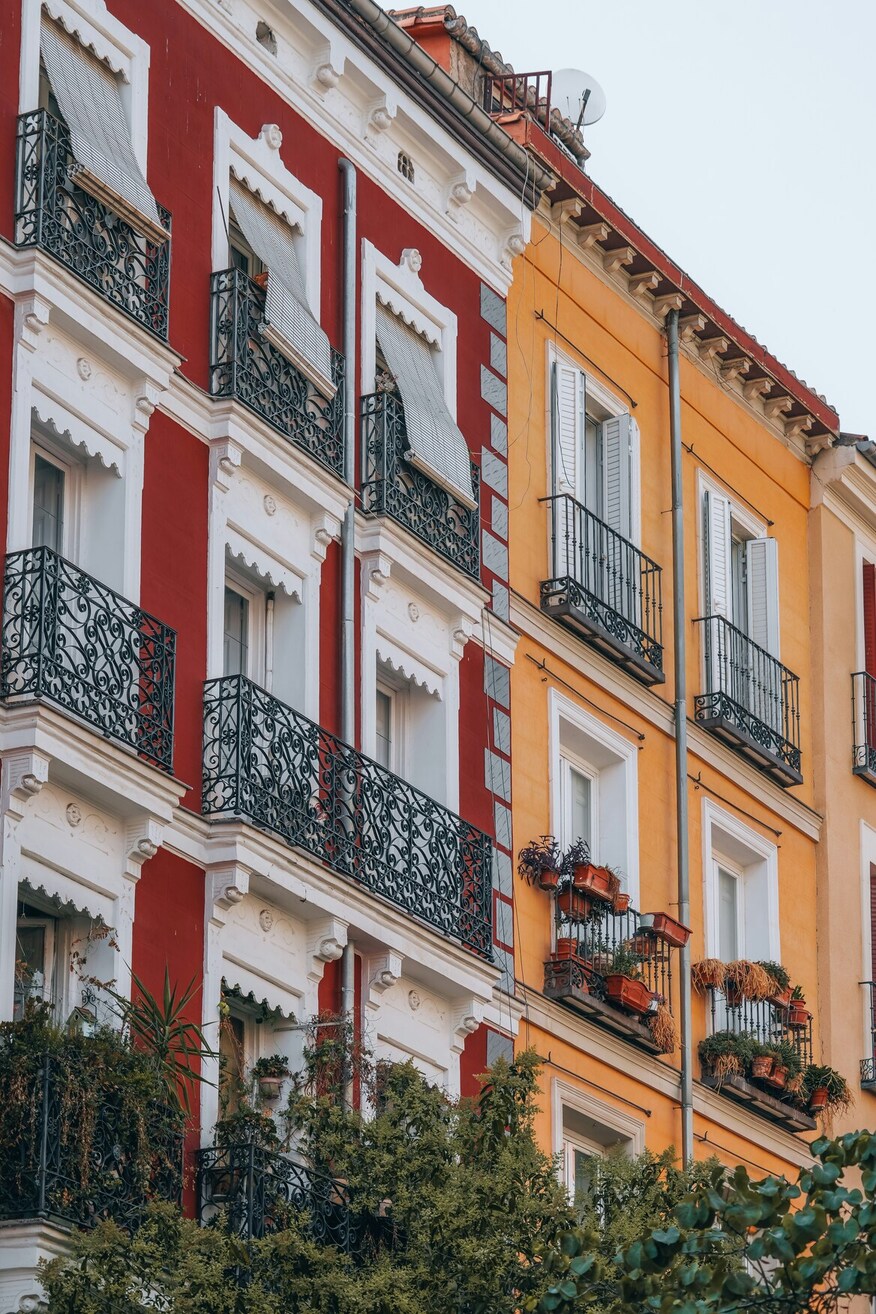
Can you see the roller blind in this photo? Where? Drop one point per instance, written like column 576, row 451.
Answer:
column 88, row 95
column 435, row 443
column 290, row 324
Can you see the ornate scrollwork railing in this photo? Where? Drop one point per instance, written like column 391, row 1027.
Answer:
column 84, row 234
column 249, row 368
column 751, row 699
column 258, row 1191
column 70, row 639
column 596, row 941
column 606, row 587
column 864, row 725
column 41, row 1174
column 268, row 763
column 868, row 1064
column 392, row 486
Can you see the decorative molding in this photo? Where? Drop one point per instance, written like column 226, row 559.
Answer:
column 670, row 301
column 383, row 973
column 143, row 838
column 147, row 396
column 709, row 348
column 775, row 407
column 617, row 258
column 326, row 941
column 228, row 884
column 642, row 285
column 589, row 234
column 24, row 773
column 513, row 245
column 565, row 211
column 271, row 135
column 752, row 389
column 376, row 570
column 465, row 1020
column 735, row 368
column 32, row 313
column 225, row 461
column 689, row 326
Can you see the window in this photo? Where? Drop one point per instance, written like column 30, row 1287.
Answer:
column 741, row 572
column 410, row 735
column 384, row 727
column 731, row 919
column 578, row 1155
column 579, row 785
column 595, row 448
column 236, row 635
column 234, row 1059
column 34, row 957
column 49, row 479
column 742, row 889
column 405, row 166
column 240, row 254
column 587, row 1128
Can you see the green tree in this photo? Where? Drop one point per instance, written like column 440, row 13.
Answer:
column 735, row 1245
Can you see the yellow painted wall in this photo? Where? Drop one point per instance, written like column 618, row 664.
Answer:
column 555, row 296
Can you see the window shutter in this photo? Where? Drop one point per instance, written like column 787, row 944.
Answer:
column 717, row 540
column 568, row 426
column 617, row 474
column 870, row 618
column 762, row 562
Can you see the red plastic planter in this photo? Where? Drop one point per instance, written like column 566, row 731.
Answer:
column 575, row 905
column 628, row 993
column 778, row 1077
column 670, row 931
column 598, row 881
column 548, row 880
column 621, row 903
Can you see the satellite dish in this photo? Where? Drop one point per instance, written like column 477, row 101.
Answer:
column 577, row 96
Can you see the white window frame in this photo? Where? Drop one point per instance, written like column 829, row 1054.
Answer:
column 73, row 472
column 256, row 637
column 625, row 755
column 401, row 289
column 54, row 939
column 627, row 1129
column 397, row 695
column 613, row 407
column 256, row 163
column 751, row 525
column 570, row 762
column 91, row 23
column 723, row 830
column 720, row 862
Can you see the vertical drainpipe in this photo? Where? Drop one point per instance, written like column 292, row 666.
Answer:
column 348, row 545
column 679, row 625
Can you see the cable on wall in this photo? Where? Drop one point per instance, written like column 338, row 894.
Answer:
column 543, row 666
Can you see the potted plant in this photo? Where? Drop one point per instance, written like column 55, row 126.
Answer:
column 786, row 1065
column 745, row 980
column 540, row 862
column 761, row 1059
column 824, row 1088
column 664, row 1031
column 623, row 982
column 575, row 904
column 621, row 903
column 270, row 1074
column 708, row 974
column 781, row 995
column 798, row 1014
column 724, row 1054
column 601, row 882
column 670, row 931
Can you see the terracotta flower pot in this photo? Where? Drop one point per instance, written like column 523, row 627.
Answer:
column 269, row 1087
column 548, row 880
column 574, row 905
column 628, row 993
column 778, row 1077
column 798, row 1014
column 598, row 881
column 644, row 945
column 733, row 995
column 621, row 904
column 818, row 1100
column 670, row 931
column 781, row 999
column 761, row 1066
column 567, row 947
column 261, row 280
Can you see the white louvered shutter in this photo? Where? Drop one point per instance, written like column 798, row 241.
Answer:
column 435, row 442
column 87, row 92
column 718, row 563
column 762, row 564
column 617, row 475
column 568, row 424
column 291, row 325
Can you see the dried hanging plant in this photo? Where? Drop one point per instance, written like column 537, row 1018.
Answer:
column 708, row 974
column 664, row 1030
column 750, row 980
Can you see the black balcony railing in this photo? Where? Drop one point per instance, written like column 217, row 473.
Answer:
column 84, row 234
column 73, row 641
column 762, row 1020
column 44, row 1174
column 258, row 1191
column 751, row 701
column 864, row 726
column 268, row 763
column 392, row 486
column 868, row 1064
column 246, row 366
column 605, row 588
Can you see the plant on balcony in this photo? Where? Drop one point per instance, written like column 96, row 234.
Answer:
column 708, row 974
column 785, row 1074
column 760, row 1059
column 540, row 863
column 601, row 882
column 664, row 1029
column 624, row 985
column 669, row 930
column 725, row 1054
column 781, row 978
column 269, row 1074
column 745, row 980
column 578, row 906
column 825, row 1088
column 799, row 1016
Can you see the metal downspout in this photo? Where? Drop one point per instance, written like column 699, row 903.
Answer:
column 679, row 626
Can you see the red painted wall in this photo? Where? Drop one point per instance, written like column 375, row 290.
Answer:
column 475, row 800
column 7, row 318
column 10, row 44
column 473, row 1062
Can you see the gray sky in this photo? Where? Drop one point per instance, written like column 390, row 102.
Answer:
column 742, row 138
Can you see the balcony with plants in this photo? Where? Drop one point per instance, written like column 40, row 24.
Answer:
column 605, row 589
column 758, row 1051
column 73, row 642
column 249, row 368
column 128, row 269
column 267, row 764
column 751, row 700
column 392, row 486
column 611, row 964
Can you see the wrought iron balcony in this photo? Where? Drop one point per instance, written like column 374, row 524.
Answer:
column 768, row 1025
column 42, row 1173
column 84, row 234
column 752, row 701
column 69, row 639
column 864, row 726
column 605, row 589
column 250, row 369
column 392, row 486
column 868, row 1064
column 586, row 949
column 268, row 763
column 260, row 1190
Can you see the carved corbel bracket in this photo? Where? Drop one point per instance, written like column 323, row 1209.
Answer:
column 459, row 194
column 466, row 1019
column 589, row 234
column 615, row 260
column 736, row 368
column 143, row 839
column 384, row 971
column 689, row 326
column 775, row 407
column 24, row 772
column 225, row 459
column 325, row 944
column 709, row 348
column 147, row 396
column 669, row 301
column 642, row 285
column 228, row 884
column 754, row 388
column 31, row 317
column 376, row 570
column 565, row 211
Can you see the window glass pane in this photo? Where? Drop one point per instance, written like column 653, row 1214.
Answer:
column 48, row 504
column 383, row 735
column 728, row 916
column 591, row 472
column 236, row 633
column 240, row 253
column 32, row 968
column 580, row 806
column 739, row 582
column 232, row 1062
column 582, row 1174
